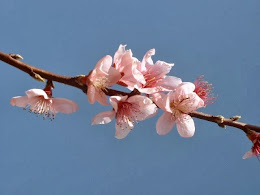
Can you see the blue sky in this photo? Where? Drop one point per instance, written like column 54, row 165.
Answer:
column 218, row 39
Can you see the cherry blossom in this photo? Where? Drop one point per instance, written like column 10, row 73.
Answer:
column 176, row 106
column 155, row 75
column 126, row 64
column 126, row 111
column 203, row 90
column 255, row 150
column 101, row 77
column 41, row 102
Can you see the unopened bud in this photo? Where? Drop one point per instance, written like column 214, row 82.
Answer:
column 16, row 56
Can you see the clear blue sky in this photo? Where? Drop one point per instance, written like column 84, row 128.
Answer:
column 219, row 39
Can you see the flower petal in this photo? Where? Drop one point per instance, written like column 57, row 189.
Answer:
column 147, row 60
column 170, row 82
column 36, row 92
column 103, row 117
column 143, row 107
column 160, row 68
column 183, row 90
column 248, row 154
column 160, row 100
column 123, row 129
column 20, row 101
column 115, row 99
column 119, row 53
column 103, row 66
column 64, row 105
column 165, row 123
column 185, row 125
column 91, row 94
column 113, row 77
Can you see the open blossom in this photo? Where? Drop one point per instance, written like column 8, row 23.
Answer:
column 40, row 102
column 126, row 111
column 101, row 77
column 126, row 64
column 155, row 75
column 255, row 150
column 176, row 106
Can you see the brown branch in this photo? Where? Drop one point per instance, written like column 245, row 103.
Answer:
column 37, row 73
column 222, row 122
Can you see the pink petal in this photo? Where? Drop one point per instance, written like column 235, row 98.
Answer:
column 170, row 82
column 64, row 105
column 101, row 97
column 103, row 65
column 147, row 60
column 165, row 123
column 248, row 154
column 20, row 101
column 119, row 53
column 96, row 95
column 36, row 92
column 113, row 77
column 143, row 107
column 160, row 100
column 91, row 94
column 123, row 129
column 193, row 102
column 184, row 89
column 185, row 125
column 103, row 117
column 159, row 69
column 114, row 100
column 128, row 66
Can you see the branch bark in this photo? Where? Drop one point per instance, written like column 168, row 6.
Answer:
column 76, row 82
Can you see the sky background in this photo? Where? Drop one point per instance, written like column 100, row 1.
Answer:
column 218, row 39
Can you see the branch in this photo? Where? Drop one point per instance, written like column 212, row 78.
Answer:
column 223, row 122
column 36, row 73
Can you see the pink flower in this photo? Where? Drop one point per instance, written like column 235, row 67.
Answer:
column 203, row 90
column 126, row 111
column 177, row 105
column 101, row 77
column 155, row 75
column 126, row 64
column 40, row 102
column 255, row 150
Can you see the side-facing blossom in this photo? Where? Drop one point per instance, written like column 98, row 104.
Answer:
column 203, row 89
column 101, row 77
column 155, row 75
column 255, row 150
column 40, row 102
column 126, row 111
column 176, row 106
column 126, row 64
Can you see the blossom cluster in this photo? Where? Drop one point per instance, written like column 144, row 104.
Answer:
column 151, row 88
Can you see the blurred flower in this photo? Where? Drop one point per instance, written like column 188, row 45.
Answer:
column 41, row 102
column 255, row 150
column 126, row 111
column 203, row 89
column 176, row 106
column 101, row 77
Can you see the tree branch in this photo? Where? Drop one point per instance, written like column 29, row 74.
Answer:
column 77, row 82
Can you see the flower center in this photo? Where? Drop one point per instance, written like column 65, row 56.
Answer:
column 43, row 107
column 101, row 83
